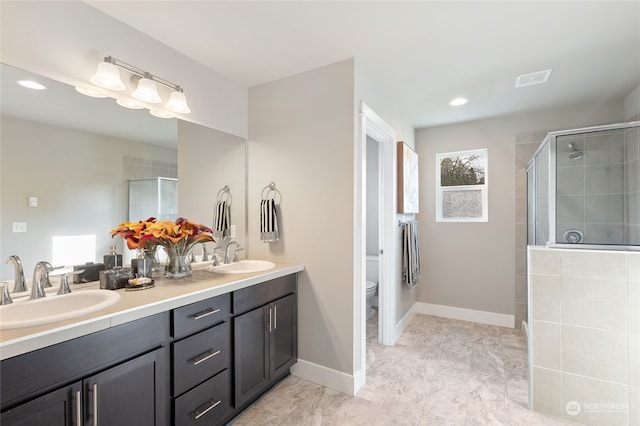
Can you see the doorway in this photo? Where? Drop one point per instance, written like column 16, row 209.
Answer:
column 381, row 137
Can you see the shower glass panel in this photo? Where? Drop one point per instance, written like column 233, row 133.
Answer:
column 586, row 187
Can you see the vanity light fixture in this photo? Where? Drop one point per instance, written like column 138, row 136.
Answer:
column 107, row 75
column 458, row 101
column 146, row 86
column 160, row 113
column 147, row 90
column 90, row 92
column 130, row 103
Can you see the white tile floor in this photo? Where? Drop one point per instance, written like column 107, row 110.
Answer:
column 440, row 372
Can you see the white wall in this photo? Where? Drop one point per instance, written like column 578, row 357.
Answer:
column 471, row 265
column 65, row 40
column 301, row 137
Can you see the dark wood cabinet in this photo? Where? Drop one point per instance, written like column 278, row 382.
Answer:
column 62, row 407
column 103, row 390
column 125, row 394
column 265, row 340
column 201, row 363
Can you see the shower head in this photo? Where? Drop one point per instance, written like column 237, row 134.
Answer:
column 575, row 154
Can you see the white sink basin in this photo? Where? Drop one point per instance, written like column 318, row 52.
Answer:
column 243, row 267
column 52, row 308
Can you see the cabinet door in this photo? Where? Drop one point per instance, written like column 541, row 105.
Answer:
column 250, row 337
column 61, row 407
column 283, row 347
column 125, row 394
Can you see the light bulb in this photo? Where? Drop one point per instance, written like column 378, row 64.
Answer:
column 147, row 91
column 108, row 76
column 177, row 103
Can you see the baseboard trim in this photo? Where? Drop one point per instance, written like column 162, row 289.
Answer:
column 325, row 376
column 482, row 317
column 404, row 322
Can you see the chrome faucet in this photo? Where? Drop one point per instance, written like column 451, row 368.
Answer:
column 19, row 285
column 40, row 279
column 226, row 251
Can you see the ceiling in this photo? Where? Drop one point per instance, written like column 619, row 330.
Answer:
column 419, row 55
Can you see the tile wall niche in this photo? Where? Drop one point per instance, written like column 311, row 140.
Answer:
column 526, row 145
column 584, row 335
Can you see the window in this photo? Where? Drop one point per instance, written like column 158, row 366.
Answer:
column 461, row 186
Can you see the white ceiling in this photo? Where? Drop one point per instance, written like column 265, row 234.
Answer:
column 420, row 54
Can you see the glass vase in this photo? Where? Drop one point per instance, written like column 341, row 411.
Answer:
column 178, row 264
column 151, row 251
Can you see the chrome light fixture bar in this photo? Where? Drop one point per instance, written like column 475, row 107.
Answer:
column 108, row 77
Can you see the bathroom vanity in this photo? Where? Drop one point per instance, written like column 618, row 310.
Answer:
column 191, row 351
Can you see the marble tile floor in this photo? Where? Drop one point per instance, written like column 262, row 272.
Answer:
column 440, row 372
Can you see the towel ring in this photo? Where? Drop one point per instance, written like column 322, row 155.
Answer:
column 224, row 195
column 270, row 190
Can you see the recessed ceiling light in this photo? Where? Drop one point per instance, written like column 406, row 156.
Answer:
column 458, row 101
column 536, row 77
column 29, row 84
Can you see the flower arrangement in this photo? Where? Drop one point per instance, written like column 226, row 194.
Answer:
column 132, row 232
column 178, row 238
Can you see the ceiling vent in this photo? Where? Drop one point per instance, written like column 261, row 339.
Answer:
column 532, row 78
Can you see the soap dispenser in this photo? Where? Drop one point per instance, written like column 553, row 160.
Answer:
column 112, row 260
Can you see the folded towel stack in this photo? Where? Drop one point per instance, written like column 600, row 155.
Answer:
column 221, row 220
column 268, row 221
column 410, row 253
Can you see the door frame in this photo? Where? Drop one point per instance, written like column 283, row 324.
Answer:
column 374, row 126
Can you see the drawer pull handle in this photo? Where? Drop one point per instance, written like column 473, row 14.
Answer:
column 211, row 406
column 78, row 408
column 205, row 313
column 202, row 358
column 95, row 404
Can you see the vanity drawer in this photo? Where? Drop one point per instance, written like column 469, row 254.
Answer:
column 200, row 315
column 207, row 404
column 249, row 298
column 200, row 356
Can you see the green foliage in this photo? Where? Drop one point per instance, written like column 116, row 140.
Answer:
column 456, row 171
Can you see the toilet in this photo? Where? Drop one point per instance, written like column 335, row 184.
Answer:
column 372, row 287
column 372, row 284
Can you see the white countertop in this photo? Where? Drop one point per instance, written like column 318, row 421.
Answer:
column 167, row 294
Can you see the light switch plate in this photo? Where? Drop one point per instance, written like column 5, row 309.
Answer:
column 33, row 201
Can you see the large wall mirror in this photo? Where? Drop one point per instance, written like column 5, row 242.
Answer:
column 66, row 160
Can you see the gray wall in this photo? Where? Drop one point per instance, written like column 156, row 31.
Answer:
column 301, row 137
column 372, row 197
column 471, row 265
column 78, row 179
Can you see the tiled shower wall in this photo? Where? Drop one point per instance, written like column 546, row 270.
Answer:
column 591, row 189
column 632, row 185
column 526, row 145
column 584, row 335
column 140, row 168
